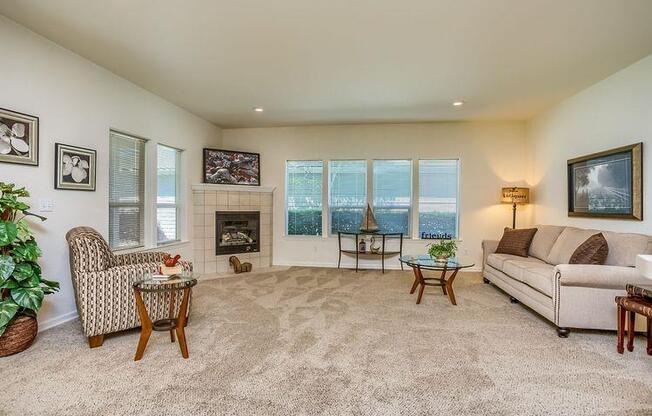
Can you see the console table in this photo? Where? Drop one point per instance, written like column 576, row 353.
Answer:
column 382, row 253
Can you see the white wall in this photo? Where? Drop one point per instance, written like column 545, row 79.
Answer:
column 491, row 154
column 77, row 103
column 614, row 112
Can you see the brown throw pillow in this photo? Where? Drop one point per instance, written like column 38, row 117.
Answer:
column 593, row 251
column 516, row 242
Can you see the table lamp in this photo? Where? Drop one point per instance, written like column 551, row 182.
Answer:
column 515, row 196
column 644, row 265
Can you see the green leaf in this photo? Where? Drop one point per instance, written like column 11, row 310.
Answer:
column 24, row 233
column 8, row 232
column 28, row 297
column 7, row 266
column 8, row 309
column 24, row 271
column 27, row 251
column 9, row 284
column 50, row 283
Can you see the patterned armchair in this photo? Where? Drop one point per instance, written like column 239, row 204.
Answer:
column 103, row 285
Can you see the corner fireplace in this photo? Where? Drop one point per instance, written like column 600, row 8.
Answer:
column 236, row 232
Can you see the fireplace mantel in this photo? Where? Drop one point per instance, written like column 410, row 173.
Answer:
column 232, row 188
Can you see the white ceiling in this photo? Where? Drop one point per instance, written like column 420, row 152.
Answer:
column 350, row 61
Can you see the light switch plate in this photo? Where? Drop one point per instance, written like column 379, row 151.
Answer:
column 45, row 205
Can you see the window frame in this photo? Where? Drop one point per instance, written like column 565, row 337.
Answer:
column 414, row 190
column 329, row 218
column 143, row 195
column 324, row 177
column 178, row 204
column 457, row 199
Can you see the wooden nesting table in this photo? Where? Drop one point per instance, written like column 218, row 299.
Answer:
column 637, row 301
column 179, row 283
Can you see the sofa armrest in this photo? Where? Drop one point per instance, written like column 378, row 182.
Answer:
column 488, row 247
column 597, row 276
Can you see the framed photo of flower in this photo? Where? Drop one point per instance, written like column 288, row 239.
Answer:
column 74, row 167
column 18, row 138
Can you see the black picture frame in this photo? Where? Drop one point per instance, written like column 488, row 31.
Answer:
column 630, row 190
column 32, row 122
column 211, row 178
column 65, row 181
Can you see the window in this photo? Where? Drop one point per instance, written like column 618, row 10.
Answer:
column 126, row 191
column 347, row 194
column 168, row 160
column 303, row 179
column 392, row 194
column 438, row 190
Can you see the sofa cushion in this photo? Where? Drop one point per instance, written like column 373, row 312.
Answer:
column 516, row 242
column 497, row 260
column 543, row 240
column 567, row 243
column 514, row 268
column 593, row 251
column 623, row 247
column 540, row 278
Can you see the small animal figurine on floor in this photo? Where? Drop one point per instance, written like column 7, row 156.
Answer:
column 239, row 267
column 170, row 265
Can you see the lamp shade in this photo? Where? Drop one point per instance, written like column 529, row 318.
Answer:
column 644, row 265
column 515, row 195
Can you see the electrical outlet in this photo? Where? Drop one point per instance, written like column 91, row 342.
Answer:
column 45, row 205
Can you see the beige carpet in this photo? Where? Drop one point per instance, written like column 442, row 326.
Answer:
column 322, row 341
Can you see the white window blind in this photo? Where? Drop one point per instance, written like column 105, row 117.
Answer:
column 126, row 191
column 347, row 194
column 303, row 179
column 168, row 160
column 392, row 194
column 438, row 192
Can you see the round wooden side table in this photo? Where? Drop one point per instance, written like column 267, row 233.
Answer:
column 173, row 324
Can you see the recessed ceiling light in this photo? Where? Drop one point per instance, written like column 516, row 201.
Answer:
column 458, row 103
column 259, row 109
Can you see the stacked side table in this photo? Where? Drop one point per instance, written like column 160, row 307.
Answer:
column 638, row 300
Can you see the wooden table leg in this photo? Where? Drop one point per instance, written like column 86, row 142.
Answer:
column 145, row 325
column 449, row 287
column 649, row 336
column 443, row 281
column 181, row 323
column 422, row 283
column 171, row 314
column 621, row 330
column 631, row 323
column 416, row 280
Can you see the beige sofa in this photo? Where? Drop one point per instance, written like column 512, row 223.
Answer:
column 569, row 295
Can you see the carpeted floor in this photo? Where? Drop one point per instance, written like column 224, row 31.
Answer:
column 322, row 341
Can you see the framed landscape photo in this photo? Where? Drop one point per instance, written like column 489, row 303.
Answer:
column 608, row 184
column 74, row 167
column 226, row 167
column 18, row 138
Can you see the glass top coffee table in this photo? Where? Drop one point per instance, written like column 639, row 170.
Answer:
column 169, row 288
column 425, row 262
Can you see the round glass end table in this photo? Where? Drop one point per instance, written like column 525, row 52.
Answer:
column 150, row 284
column 425, row 262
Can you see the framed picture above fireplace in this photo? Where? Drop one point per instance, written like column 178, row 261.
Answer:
column 227, row 167
column 607, row 184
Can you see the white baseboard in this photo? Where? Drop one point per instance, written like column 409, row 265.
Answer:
column 57, row 320
column 348, row 266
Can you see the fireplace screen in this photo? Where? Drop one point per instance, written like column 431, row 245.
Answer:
column 236, row 232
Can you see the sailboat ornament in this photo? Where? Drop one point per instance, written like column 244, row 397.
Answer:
column 369, row 224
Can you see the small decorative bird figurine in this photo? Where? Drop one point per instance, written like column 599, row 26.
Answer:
column 170, row 261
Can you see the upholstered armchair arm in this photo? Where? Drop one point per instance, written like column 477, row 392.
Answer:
column 488, row 247
column 598, row 276
column 140, row 257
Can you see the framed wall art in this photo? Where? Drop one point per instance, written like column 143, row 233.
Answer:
column 74, row 168
column 608, row 184
column 231, row 168
column 18, row 138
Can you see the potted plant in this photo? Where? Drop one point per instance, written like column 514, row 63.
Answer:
column 441, row 250
column 21, row 286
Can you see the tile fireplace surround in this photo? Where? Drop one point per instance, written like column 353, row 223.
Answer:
column 206, row 200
